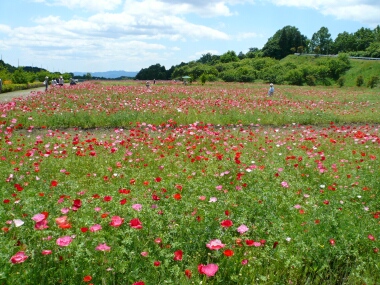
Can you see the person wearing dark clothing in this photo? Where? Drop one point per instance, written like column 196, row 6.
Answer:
column 46, row 83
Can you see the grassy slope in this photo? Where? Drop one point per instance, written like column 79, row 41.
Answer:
column 365, row 68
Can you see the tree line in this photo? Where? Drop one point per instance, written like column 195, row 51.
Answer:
column 263, row 63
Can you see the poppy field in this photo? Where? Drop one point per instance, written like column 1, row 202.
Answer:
column 217, row 184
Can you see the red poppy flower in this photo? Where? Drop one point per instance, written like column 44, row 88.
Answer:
column 226, row 223
column 177, row 196
column 188, row 273
column 107, row 198
column 178, row 255
column 87, row 278
column 228, row 252
column 135, row 223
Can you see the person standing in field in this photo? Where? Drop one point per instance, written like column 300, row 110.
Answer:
column 46, row 83
column 60, row 82
column 147, row 84
column 271, row 90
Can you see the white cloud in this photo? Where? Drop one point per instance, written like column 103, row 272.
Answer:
column 90, row 5
column 364, row 11
column 244, row 36
column 211, row 8
column 200, row 53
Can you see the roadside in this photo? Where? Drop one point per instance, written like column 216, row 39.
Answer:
column 8, row 96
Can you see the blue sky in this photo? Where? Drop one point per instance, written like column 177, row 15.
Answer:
column 103, row 35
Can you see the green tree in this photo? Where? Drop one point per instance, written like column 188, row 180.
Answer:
column 205, row 58
column 363, row 38
column 20, row 76
column 229, row 56
column 322, row 39
column 281, row 43
column 344, row 42
column 373, row 50
column 88, row 76
column 155, row 71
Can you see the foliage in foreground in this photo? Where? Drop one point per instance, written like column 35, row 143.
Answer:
column 183, row 204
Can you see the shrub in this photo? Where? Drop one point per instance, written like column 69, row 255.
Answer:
column 203, row 78
column 19, row 77
column 310, row 80
column 359, row 81
column 340, row 81
column 373, row 82
column 294, row 77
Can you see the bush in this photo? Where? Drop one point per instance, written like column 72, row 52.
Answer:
column 340, row 81
column 310, row 80
column 294, row 77
column 359, row 81
column 203, row 78
column 17, row 87
column 373, row 82
column 19, row 77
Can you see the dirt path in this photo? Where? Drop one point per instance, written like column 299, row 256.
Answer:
column 8, row 96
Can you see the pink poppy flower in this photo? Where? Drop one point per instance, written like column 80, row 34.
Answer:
column 116, row 221
column 19, row 257
column 38, row 218
column 41, row 225
column 64, row 241
column 371, row 237
column 242, row 229
column 135, row 223
column 95, row 228
column 137, row 207
column 284, row 184
column 103, row 247
column 209, row 269
column 144, row 253
column 46, row 252
column 215, row 244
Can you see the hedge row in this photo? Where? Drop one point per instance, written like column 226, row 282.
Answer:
column 16, row 87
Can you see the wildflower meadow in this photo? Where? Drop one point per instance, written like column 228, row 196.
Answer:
column 114, row 183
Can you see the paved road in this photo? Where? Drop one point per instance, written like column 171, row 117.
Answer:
column 4, row 97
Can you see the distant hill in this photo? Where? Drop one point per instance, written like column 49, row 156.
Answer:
column 109, row 74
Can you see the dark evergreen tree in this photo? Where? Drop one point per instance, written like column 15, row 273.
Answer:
column 283, row 41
